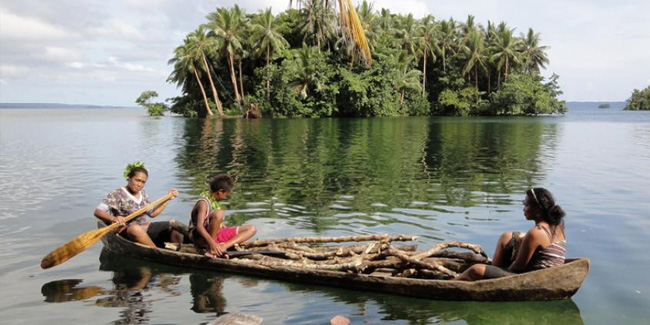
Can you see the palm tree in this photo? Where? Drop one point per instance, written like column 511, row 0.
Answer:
column 350, row 24
column 266, row 38
column 407, row 78
column 225, row 26
column 319, row 23
column 474, row 48
column 306, row 74
column 447, row 40
column 504, row 49
column 368, row 21
column 184, row 65
column 533, row 55
column 199, row 45
column 406, row 32
column 427, row 36
column 385, row 20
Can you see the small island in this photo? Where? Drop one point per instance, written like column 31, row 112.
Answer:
column 325, row 61
column 605, row 105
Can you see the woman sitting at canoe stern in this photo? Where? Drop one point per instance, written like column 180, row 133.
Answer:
column 543, row 246
column 125, row 200
column 207, row 229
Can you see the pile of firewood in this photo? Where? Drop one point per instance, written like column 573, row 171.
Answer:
column 372, row 254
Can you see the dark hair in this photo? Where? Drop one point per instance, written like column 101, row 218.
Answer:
column 544, row 201
column 134, row 170
column 222, row 182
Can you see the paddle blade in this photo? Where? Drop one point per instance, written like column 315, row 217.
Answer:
column 71, row 248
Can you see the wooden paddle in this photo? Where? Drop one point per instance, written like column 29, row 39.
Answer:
column 87, row 239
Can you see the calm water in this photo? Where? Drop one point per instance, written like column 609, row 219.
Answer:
column 439, row 178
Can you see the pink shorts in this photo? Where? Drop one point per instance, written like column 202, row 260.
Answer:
column 225, row 234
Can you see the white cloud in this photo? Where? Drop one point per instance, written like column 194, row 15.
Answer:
column 54, row 53
column 13, row 71
column 118, row 29
column 76, row 65
column 14, row 27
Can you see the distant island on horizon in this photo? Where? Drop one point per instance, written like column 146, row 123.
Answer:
column 57, row 105
column 595, row 105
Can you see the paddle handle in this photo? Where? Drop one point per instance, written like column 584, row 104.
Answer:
column 138, row 213
column 87, row 239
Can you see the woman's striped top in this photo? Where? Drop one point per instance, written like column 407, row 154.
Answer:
column 550, row 255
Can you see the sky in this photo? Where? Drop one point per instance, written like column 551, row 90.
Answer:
column 107, row 52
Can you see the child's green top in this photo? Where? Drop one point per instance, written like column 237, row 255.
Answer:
column 214, row 203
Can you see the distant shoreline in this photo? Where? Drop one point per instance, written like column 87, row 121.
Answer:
column 576, row 104
column 55, row 106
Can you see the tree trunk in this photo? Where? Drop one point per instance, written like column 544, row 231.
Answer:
column 268, row 77
column 233, row 78
column 352, row 60
column 476, row 81
column 214, row 89
column 401, row 97
column 505, row 77
column 241, row 80
column 205, row 98
column 424, row 73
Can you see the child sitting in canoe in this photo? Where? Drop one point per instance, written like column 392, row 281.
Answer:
column 207, row 229
column 543, row 246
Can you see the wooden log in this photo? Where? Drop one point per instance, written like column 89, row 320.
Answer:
column 281, row 264
column 466, row 256
column 475, row 248
column 421, row 264
column 340, row 239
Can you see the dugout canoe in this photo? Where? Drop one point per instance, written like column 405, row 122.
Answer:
column 560, row 282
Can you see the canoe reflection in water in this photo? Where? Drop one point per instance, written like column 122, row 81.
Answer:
column 138, row 284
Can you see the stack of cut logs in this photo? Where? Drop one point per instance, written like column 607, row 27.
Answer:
column 373, row 254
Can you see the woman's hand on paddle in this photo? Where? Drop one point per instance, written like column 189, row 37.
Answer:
column 120, row 220
column 174, row 193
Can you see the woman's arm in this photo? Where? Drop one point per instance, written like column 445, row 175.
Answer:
column 107, row 218
column 157, row 210
column 526, row 250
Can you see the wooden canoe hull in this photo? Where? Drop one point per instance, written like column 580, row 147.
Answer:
column 555, row 283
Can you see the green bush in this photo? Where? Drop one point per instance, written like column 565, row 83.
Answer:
column 154, row 109
column 640, row 100
column 526, row 95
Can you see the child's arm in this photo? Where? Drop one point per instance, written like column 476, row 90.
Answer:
column 202, row 209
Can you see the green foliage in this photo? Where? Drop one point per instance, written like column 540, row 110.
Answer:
column 640, row 100
column 299, row 63
column 526, row 95
column 457, row 102
column 154, row 109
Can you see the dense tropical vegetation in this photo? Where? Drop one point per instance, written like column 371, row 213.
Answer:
column 312, row 62
column 640, row 100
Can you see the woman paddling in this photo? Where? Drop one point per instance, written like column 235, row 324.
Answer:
column 543, row 246
column 125, row 200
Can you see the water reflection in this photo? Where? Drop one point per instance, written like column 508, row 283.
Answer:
column 423, row 311
column 69, row 290
column 369, row 167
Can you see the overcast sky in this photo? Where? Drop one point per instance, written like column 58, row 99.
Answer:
column 107, row 52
